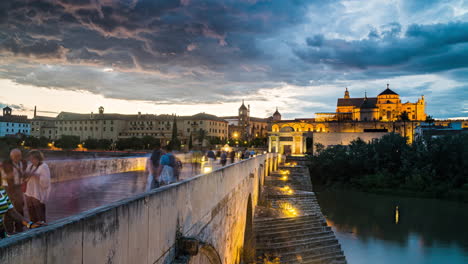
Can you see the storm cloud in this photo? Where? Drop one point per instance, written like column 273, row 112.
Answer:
column 211, row 51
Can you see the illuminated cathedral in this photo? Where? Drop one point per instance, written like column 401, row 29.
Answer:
column 387, row 106
column 365, row 117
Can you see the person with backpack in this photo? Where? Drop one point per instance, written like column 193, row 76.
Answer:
column 152, row 166
column 169, row 168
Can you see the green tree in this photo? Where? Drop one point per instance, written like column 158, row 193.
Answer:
column 429, row 119
column 201, row 135
column 91, row 143
column 104, row 144
column 175, row 142
column 190, row 143
column 68, row 142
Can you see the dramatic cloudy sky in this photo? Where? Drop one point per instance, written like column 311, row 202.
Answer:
column 189, row 56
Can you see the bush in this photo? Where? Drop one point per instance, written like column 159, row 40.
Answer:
column 433, row 165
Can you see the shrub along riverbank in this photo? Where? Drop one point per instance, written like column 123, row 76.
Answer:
column 430, row 167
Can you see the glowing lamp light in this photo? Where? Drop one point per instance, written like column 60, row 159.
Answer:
column 207, row 169
column 284, row 178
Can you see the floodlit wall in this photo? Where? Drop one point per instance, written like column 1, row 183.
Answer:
column 142, row 229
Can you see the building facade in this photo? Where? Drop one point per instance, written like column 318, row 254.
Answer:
column 245, row 127
column 386, row 107
column 366, row 117
column 113, row 126
column 14, row 125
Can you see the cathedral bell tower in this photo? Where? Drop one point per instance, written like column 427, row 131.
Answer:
column 346, row 93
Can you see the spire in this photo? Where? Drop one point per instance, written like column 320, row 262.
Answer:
column 346, row 93
column 365, row 95
column 242, row 107
column 35, row 111
column 388, row 86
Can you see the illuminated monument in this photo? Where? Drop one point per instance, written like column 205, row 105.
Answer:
column 363, row 117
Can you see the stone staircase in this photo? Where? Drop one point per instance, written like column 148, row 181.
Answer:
column 294, row 230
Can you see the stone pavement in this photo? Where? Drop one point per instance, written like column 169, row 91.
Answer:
column 289, row 226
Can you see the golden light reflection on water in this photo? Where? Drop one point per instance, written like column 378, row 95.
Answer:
column 397, row 215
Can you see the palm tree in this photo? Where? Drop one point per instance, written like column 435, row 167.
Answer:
column 404, row 117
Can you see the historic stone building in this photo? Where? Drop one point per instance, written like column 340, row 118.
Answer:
column 387, row 106
column 245, row 127
column 364, row 117
column 114, row 126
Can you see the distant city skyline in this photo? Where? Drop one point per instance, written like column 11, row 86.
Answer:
column 191, row 56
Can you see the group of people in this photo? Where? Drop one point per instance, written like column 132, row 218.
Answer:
column 163, row 166
column 23, row 182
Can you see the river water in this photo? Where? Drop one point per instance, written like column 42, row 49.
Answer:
column 372, row 230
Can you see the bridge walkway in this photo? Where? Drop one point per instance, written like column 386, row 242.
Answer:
column 289, row 226
column 72, row 197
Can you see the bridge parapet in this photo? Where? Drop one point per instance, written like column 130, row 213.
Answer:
column 214, row 208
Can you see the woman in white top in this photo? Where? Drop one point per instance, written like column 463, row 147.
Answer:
column 38, row 186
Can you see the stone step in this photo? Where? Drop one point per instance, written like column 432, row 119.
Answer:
column 277, row 226
column 281, row 248
column 287, row 219
column 292, row 242
column 312, row 253
column 265, row 235
column 285, row 239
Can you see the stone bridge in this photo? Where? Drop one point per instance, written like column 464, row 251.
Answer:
column 208, row 218
column 215, row 209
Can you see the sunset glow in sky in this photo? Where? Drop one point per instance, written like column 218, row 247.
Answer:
column 193, row 56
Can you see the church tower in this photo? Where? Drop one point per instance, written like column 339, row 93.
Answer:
column 346, row 93
column 7, row 111
column 276, row 115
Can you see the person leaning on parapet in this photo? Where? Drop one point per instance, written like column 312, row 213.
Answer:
column 232, row 156
column 13, row 173
column 223, row 158
column 167, row 171
column 8, row 210
column 38, row 186
column 153, row 165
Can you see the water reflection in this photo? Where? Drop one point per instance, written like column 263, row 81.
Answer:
column 385, row 229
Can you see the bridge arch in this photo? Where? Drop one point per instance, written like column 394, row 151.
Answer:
column 275, row 128
column 308, row 128
column 297, row 128
column 287, row 129
column 248, row 250
column 320, row 128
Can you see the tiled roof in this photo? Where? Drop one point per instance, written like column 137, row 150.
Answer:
column 356, row 102
column 388, row 91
